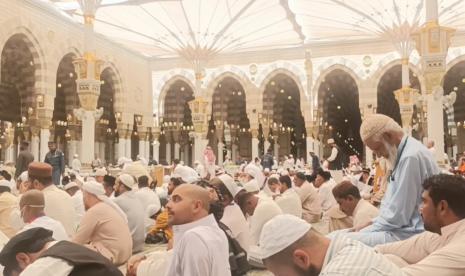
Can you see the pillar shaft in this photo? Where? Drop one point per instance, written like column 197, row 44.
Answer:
column 44, row 138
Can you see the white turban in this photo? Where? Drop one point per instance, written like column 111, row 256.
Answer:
column 23, row 176
column 70, row 185
column 95, row 188
column 374, row 124
column 228, row 181
column 186, row 173
column 256, row 173
column 252, row 186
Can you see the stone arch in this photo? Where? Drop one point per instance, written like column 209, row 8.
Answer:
column 244, row 82
column 304, row 102
column 282, row 67
column 160, row 102
column 386, row 66
column 326, row 72
column 118, row 100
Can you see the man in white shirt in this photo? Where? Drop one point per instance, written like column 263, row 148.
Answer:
column 352, row 205
column 259, row 210
column 288, row 200
column 58, row 204
column 289, row 246
column 32, row 205
column 200, row 246
column 233, row 217
column 76, row 164
column 132, row 207
column 75, row 192
column 325, row 184
column 311, row 202
column 35, row 253
column 146, row 195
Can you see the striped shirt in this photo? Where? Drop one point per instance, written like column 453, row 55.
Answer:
column 350, row 257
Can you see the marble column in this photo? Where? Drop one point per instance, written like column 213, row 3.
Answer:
column 9, row 153
column 121, row 148
column 176, row 150
column 44, row 138
column 186, row 154
column 234, row 152
column 128, row 148
column 266, row 145
column 219, row 156
column 147, row 149
column 35, row 142
column 276, row 148
column 254, row 147
column 102, row 150
column 168, row 153
column 309, row 141
column 199, row 146
column 96, row 149
column 88, row 119
column 435, row 125
column 156, row 151
column 71, row 151
column 142, row 147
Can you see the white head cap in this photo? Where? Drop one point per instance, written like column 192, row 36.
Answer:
column 228, row 181
column 330, row 141
column 376, row 124
column 166, row 179
column 267, row 170
column 280, row 232
column 152, row 209
column 5, row 183
column 252, row 186
column 23, row 176
column 127, row 180
column 76, row 156
column 70, row 185
column 100, row 172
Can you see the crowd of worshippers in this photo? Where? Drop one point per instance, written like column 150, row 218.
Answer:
column 401, row 217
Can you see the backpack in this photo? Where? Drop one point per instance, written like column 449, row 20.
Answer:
column 237, row 255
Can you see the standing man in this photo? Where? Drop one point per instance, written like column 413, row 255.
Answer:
column 24, row 158
column 200, row 246
column 209, row 159
column 76, row 164
column 315, row 162
column 56, row 159
column 267, row 160
column 335, row 161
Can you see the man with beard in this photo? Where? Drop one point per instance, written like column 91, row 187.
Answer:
column 411, row 163
column 290, row 247
column 439, row 250
column 56, row 159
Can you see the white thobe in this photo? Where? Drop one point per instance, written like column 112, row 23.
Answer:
column 325, row 191
column 76, row 165
column 200, row 248
column 59, row 206
column 235, row 220
column 59, row 233
column 147, row 197
column 78, row 203
column 266, row 209
column 290, row 203
column 131, row 206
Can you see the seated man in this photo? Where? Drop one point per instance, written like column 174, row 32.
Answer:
column 289, row 246
column 259, row 210
column 440, row 249
column 411, row 163
column 311, row 203
column 352, row 205
column 288, row 200
column 32, row 205
column 325, row 184
column 104, row 226
column 131, row 205
column 35, row 253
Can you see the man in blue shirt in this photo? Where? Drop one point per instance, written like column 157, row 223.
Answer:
column 409, row 163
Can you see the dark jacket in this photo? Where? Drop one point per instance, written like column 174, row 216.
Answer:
column 22, row 162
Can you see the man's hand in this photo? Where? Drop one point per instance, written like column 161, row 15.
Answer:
column 133, row 263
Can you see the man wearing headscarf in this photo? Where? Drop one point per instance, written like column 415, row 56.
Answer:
column 131, row 205
column 104, row 226
column 411, row 163
column 209, row 160
column 58, row 204
column 34, row 252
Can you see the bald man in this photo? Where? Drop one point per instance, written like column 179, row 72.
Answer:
column 200, row 246
column 32, row 206
column 410, row 163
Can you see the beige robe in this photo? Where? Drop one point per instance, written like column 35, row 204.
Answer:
column 59, row 206
column 311, row 203
column 105, row 231
column 8, row 202
column 430, row 254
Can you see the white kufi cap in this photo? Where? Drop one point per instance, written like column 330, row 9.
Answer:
column 280, row 232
